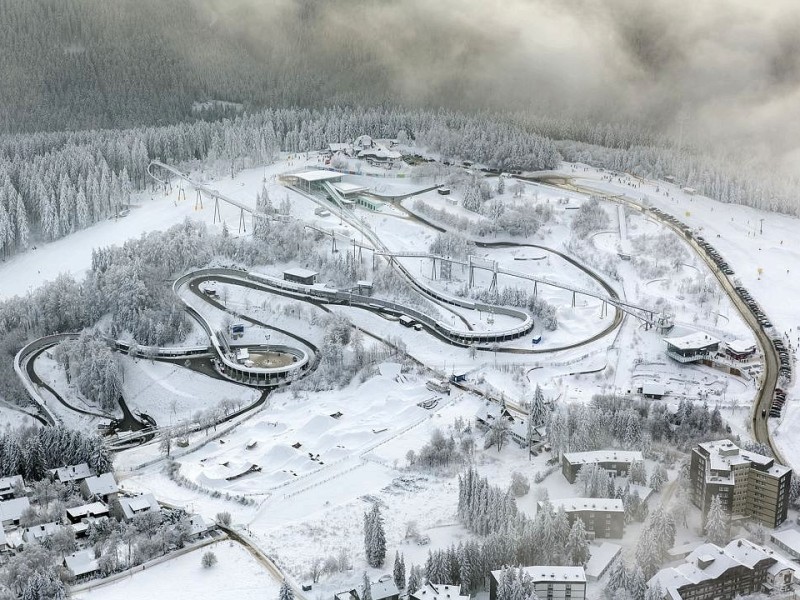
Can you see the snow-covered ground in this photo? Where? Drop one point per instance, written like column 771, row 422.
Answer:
column 236, row 576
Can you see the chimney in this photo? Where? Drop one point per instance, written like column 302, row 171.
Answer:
column 704, row 560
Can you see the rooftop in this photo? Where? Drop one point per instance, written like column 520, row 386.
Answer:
column 576, row 504
column 299, row 272
column 540, row 574
column 437, row 591
column 101, row 485
column 11, row 510
column 597, row 456
column 601, row 557
column 346, row 187
column 740, row 346
column 72, row 472
column 693, row 341
column 318, row 175
column 789, row 538
column 82, row 562
column 383, row 589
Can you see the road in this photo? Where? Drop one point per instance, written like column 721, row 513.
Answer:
column 769, row 378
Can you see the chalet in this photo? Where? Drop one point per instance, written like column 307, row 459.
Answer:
column 11, row 510
column 384, row 589
column 37, row 533
column 125, row 509
column 102, row 487
column 549, row 583
column 652, row 389
column 616, row 462
column 72, row 473
column 83, row 564
column 740, row 349
column 437, row 591
column 10, row 485
column 346, row 595
column 93, row 510
column 197, row 527
column 602, row 517
column 740, row 568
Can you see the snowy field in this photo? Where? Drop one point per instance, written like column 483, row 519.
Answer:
column 236, row 576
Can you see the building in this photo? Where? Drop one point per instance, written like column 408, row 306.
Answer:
column 740, row 349
column 302, row 276
column 11, row 510
column 197, row 527
column 738, row 569
column 550, row 583
column 438, row 591
column 653, row 390
column 313, row 181
column 603, row 556
column 602, row 517
column 369, row 203
column 348, row 190
column 380, row 157
column 125, row 509
column 788, row 541
column 746, row 483
column 71, row 473
column 82, row 563
column 384, row 589
column 691, row 348
column 36, row 533
column 616, row 462
column 101, row 487
column 87, row 511
column 10, row 485
column 346, row 595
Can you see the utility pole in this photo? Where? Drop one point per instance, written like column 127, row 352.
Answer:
column 761, row 228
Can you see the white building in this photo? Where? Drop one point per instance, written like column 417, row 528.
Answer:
column 82, row 563
column 126, row 509
column 101, row 487
column 76, row 473
column 9, row 485
column 550, row 583
column 437, row 591
column 11, row 510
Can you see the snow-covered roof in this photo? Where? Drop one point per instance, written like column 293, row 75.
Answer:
column 549, row 574
column 346, row 187
column 598, row 456
column 101, row 485
column 300, row 272
column 724, row 453
column 653, row 388
column 138, row 505
column 383, row 589
column 380, row 153
column 601, row 557
column 72, row 472
column 11, row 510
column 82, row 562
column 338, row 146
column 698, row 340
column 7, row 483
column 198, row 525
column 581, row 504
column 317, row 175
column 439, row 591
column 36, row 533
column 740, row 346
column 709, row 561
column 87, row 510
column 789, row 538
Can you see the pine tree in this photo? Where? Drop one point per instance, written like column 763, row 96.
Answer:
column 374, row 537
column 637, row 584
column 617, row 577
column 366, row 588
column 717, row 523
column 285, row 592
column 414, row 579
column 399, row 572
column 577, row 548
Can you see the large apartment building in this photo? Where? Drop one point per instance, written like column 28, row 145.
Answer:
column 747, row 483
column 616, row 462
column 602, row 517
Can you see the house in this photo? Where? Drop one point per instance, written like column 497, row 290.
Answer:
column 384, row 589
column 4, row 547
column 652, row 389
column 72, row 473
column 437, row 591
column 93, row 510
column 82, row 563
column 549, row 583
column 11, row 510
column 602, row 557
column 101, row 487
column 347, row 595
column 36, row 533
column 10, row 485
column 197, row 527
column 693, row 347
column 740, row 568
column 125, row 509
column 602, row 517
column 616, row 462
column 740, row 349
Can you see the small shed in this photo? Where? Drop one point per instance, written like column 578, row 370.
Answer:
column 302, row 276
column 364, row 287
column 652, row 389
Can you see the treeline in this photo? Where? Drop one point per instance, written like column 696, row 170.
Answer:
column 90, row 364
column 31, row 451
